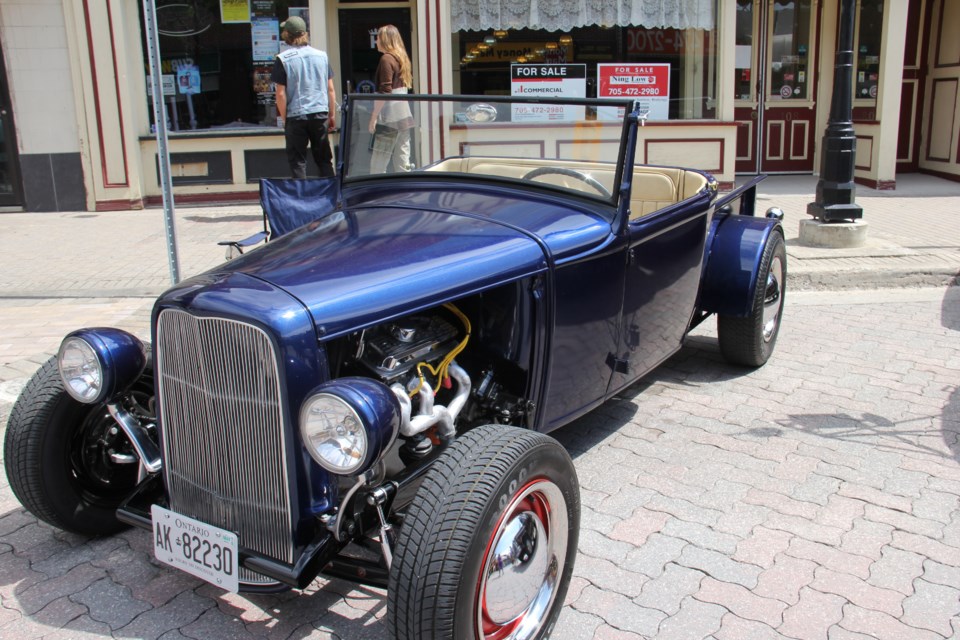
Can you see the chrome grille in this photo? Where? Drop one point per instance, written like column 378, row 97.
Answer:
column 222, row 427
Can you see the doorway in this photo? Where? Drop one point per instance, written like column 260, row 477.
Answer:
column 775, row 84
column 358, row 44
column 11, row 189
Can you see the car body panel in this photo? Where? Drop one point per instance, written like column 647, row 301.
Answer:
column 371, row 263
column 300, row 359
column 729, row 277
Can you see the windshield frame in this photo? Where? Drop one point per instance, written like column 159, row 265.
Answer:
column 350, row 114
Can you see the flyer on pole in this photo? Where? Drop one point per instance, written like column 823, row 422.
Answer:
column 548, row 81
column 648, row 84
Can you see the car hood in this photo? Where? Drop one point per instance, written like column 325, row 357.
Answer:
column 353, row 268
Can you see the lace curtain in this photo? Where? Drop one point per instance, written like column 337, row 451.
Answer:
column 563, row 15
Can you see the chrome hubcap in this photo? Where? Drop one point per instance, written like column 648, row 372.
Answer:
column 523, row 564
column 772, row 299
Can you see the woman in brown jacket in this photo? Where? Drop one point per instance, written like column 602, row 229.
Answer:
column 391, row 120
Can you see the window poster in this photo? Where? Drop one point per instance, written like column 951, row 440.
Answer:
column 266, row 39
column 234, row 11
column 188, row 80
column 648, row 84
column 168, row 81
column 548, row 80
column 262, row 84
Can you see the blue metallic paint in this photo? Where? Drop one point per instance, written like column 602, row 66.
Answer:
column 662, row 284
column 388, row 262
column 302, row 366
column 121, row 354
column 377, row 407
column 567, row 228
column 736, row 247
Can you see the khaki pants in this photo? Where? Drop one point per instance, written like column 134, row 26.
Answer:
column 390, row 144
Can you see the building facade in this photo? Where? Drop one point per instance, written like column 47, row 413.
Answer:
column 748, row 83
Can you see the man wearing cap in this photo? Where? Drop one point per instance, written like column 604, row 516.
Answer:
column 306, row 99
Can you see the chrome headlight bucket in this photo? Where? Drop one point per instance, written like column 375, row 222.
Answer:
column 96, row 364
column 348, row 424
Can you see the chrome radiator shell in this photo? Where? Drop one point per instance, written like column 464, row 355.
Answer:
column 222, row 430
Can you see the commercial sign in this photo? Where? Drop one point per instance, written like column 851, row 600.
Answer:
column 548, row 81
column 648, row 84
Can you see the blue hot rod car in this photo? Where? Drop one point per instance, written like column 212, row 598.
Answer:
column 369, row 395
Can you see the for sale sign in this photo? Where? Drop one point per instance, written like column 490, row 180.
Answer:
column 548, row 81
column 648, row 84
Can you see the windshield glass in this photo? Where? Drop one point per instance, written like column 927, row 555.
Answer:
column 570, row 146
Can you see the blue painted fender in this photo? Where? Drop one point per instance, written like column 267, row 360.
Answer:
column 733, row 262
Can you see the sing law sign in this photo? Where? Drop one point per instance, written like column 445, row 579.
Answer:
column 648, row 84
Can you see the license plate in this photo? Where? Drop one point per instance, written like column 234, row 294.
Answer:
column 200, row 549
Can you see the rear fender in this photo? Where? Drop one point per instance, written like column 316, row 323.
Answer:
column 733, row 263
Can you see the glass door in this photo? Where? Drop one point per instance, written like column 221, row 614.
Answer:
column 358, row 45
column 11, row 194
column 775, row 103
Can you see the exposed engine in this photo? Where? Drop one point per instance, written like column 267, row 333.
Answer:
column 390, row 351
column 416, row 357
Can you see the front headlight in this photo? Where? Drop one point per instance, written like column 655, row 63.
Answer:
column 80, row 370
column 333, row 433
column 97, row 364
column 348, row 424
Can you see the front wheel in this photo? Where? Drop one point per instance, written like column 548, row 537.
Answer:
column 487, row 547
column 749, row 341
column 69, row 463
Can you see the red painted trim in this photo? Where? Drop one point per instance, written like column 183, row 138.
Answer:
column 953, row 177
column 795, row 142
column 689, row 123
column 96, row 98
column 878, row 185
column 439, row 47
column 500, row 143
column 118, row 205
column 722, row 141
column 429, row 52
column 436, row 18
column 936, row 53
column 207, row 198
column 953, row 111
column 869, row 167
column 726, row 186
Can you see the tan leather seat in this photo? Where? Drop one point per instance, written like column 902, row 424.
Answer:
column 653, row 187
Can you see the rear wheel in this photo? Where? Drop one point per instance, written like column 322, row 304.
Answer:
column 69, row 463
column 749, row 341
column 487, row 547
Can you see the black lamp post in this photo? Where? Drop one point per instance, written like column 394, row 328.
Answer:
column 835, row 188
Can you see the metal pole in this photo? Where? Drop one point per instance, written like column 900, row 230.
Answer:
column 836, row 190
column 160, row 120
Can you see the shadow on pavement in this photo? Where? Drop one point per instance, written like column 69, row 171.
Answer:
column 696, row 363
column 218, row 219
column 950, row 319
column 113, row 587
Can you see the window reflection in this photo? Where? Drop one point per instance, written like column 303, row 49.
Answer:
column 790, row 43
column 868, row 50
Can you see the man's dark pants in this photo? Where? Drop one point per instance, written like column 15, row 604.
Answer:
column 300, row 131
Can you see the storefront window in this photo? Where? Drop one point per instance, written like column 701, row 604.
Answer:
column 662, row 53
column 869, row 33
column 790, row 57
column 216, row 57
column 743, row 57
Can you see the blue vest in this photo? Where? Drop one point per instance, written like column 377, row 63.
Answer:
column 308, row 71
